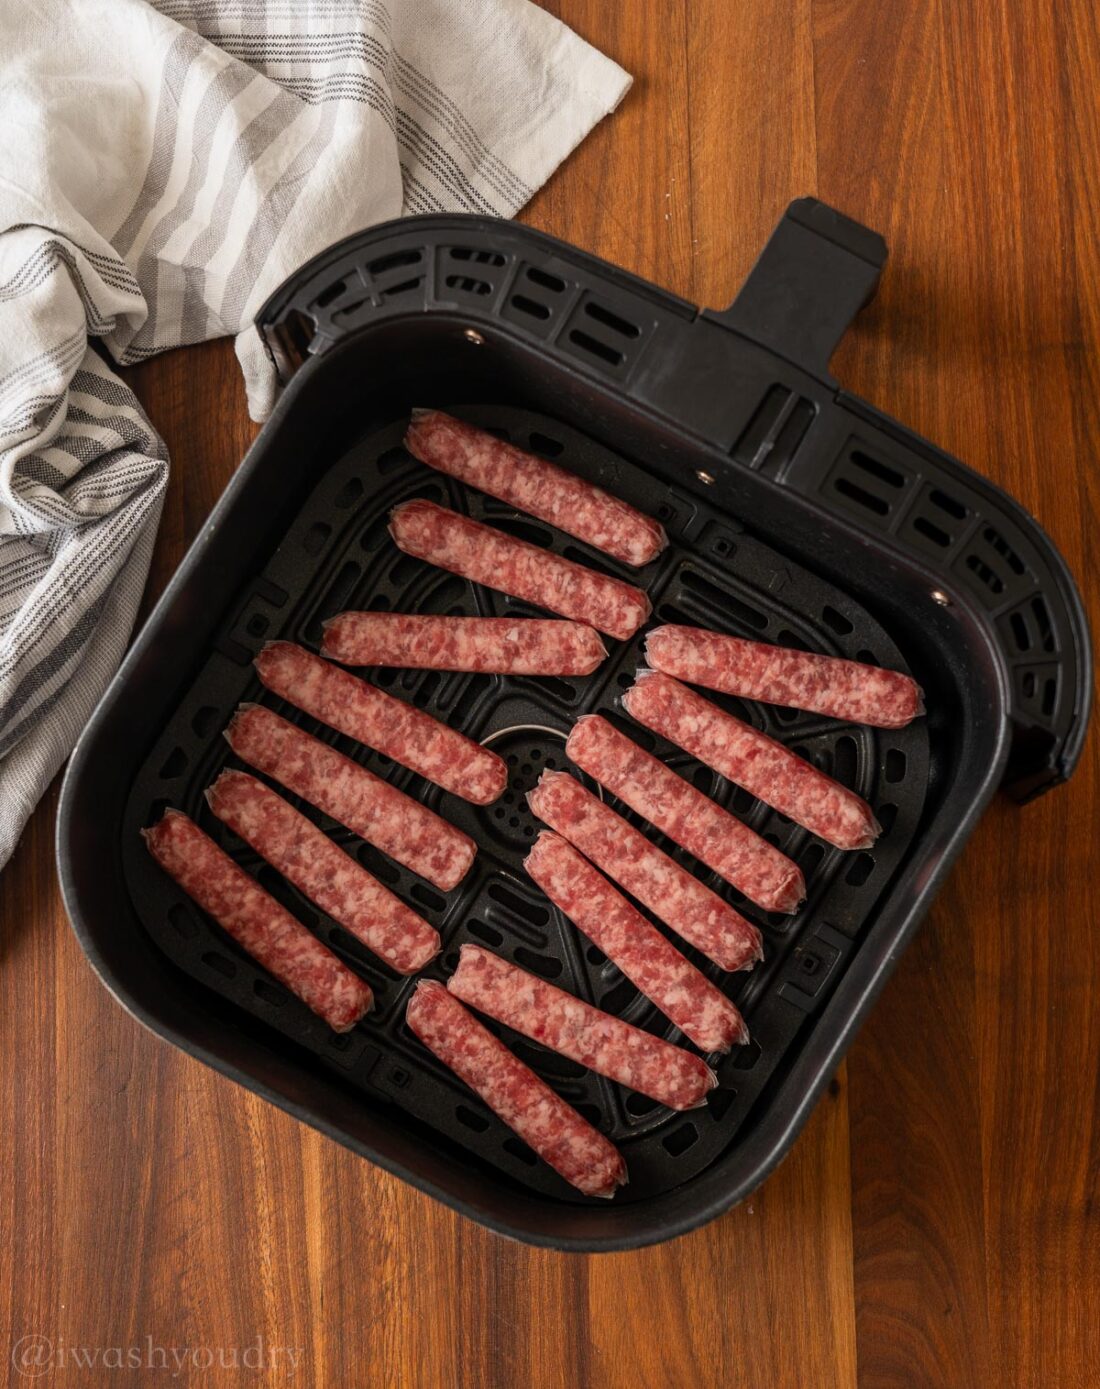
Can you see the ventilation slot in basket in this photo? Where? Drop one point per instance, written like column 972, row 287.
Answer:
column 477, row 257
column 536, row 299
column 330, row 294
column 611, row 320
column 396, row 260
column 680, row 1139
column 468, row 284
column 985, row 575
column 993, row 567
column 532, row 308
column 395, row 291
column 1037, row 689
column 1027, row 628
column 592, row 347
column 866, row 484
column 720, row 608
column 596, row 333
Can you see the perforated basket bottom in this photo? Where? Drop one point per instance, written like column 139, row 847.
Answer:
column 338, row 555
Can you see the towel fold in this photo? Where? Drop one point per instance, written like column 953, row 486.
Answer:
column 164, row 167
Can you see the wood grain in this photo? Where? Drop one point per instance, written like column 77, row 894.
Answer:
column 937, row 1223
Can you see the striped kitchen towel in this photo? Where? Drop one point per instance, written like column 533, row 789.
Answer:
column 163, row 167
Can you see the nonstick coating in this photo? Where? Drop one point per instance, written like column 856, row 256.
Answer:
column 336, row 555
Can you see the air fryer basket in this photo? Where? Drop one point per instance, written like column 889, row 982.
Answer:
column 796, row 515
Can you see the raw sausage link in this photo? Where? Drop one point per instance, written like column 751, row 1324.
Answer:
column 670, row 892
column 573, row 1028
column 748, row 758
column 487, row 556
column 652, row 964
column 692, row 820
column 775, row 675
column 491, row 645
column 390, row 726
column 323, row 871
column 266, row 930
column 372, row 809
column 533, row 485
column 513, row 1091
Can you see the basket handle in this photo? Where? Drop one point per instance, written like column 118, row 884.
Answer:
column 817, row 270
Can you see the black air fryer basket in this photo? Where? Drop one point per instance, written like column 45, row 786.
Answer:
column 796, row 513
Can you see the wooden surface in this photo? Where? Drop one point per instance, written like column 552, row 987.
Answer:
column 938, row 1222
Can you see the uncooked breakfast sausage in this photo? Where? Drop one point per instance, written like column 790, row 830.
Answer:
column 776, row 675
column 689, row 818
column 323, row 871
column 504, row 645
column 670, row 892
column 513, row 1091
column 748, row 758
column 605, row 1044
column 385, row 817
column 266, row 930
column 533, row 485
column 652, row 964
column 406, row 734
column 488, row 556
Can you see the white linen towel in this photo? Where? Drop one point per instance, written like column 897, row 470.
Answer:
column 163, row 167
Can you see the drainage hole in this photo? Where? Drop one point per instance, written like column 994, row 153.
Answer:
column 520, row 1150
column 680, row 1139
